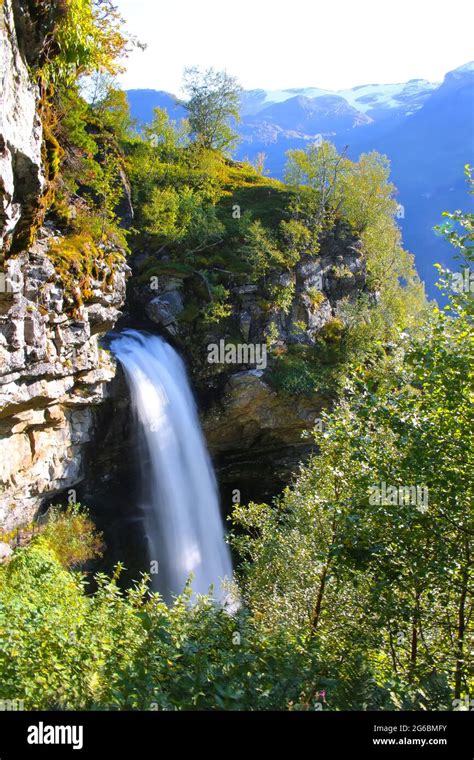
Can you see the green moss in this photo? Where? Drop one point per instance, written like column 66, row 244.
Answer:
column 52, row 155
column 316, row 298
column 79, row 262
column 333, row 330
column 341, row 272
column 265, row 199
column 296, row 372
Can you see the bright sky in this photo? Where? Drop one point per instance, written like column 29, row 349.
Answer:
column 277, row 44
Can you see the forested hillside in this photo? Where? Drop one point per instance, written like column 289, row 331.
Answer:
column 425, row 129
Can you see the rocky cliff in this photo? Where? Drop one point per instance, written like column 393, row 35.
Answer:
column 256, row 428
column 64, row 409
column 22, row 178
column 53, row 374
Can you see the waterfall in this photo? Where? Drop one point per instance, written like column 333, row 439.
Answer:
column 182, row 518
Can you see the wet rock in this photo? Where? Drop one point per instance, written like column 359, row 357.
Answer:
column 163, row 310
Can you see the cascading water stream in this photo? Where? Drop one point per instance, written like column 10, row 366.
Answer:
column 182, row 518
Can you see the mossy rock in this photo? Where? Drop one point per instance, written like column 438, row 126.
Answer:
column 79, row 262
column 333, row 330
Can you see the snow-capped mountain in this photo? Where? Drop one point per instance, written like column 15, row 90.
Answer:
column 378, row 98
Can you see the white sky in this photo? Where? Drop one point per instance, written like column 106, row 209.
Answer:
column 277, row 44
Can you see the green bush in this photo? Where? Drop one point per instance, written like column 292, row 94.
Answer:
column 62, row 648
column 71, row 535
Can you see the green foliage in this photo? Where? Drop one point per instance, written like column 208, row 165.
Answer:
column 80, row 154
column 61, row 648
column 328, row 186
column 88, row 188
column 166, row 136
column 111, row 108
column 88, row 38
column 41, row 605
column 282, row 296
column 71, row 535
column 228, row 219
column 364, row 193
column 219, row 308
column 154, row 268
column 176, row 215
column 356, row 339
column 316, row 297
column 260, row 251
column 308, row 369
column 94, row 166
column 388, row 579
column 81, row 263
column 299, row 238
column 206, row 213
column 459, row 230
column 314, row 173
column 213, row 106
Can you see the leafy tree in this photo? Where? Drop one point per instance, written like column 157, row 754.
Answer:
column 314, row 173
column 178, row 215
column 459, row 230
column 390, row 575
column 364, row 194
column 112, row 110
column 329, row 187
column 260, row 250
column 89, row 37
column 165, row 135
column 213, row 106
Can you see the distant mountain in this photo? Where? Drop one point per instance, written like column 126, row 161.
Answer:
column 428, row 151
column 375, row 100
column 425, row 128
column 308, row 116
column 143, row 102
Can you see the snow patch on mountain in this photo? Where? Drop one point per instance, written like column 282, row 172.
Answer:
column 370, row 96
column 364, row 97
column 467, row 68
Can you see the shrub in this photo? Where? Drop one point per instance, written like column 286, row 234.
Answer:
column 71, row 535
column 60, row 648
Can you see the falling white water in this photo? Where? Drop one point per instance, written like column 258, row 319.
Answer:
column 181, row 507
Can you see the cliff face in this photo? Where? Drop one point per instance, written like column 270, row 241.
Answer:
column 256, row 429
column 53, row 375
column 22, row 179
column 64, row 408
